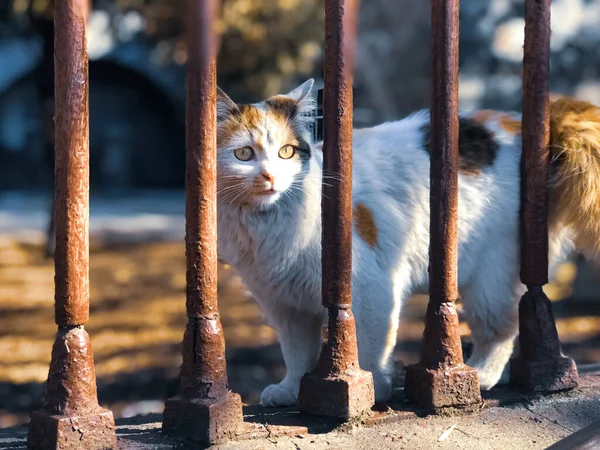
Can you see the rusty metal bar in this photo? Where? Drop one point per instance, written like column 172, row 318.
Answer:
column 71, row 396
column 337, row 387
column 540, row 367
column 205, row 409
column 441, row 379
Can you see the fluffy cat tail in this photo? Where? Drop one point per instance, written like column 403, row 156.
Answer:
column 575, row 153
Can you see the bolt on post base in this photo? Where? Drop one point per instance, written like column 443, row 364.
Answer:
column 344, row 396
column 93, row 431
column 209, row 421
column 436, row 389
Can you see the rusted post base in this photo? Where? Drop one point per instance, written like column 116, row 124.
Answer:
column 93, row 431
column 205, row 410
column 71, row 418
column 338, row 387
column 441, row 379
column 344, row 396
column 540, row 366
column 552, row 375
column 204, row 420
column 436, row 389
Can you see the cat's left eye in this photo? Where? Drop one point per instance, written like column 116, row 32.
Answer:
column 286, row 152
column 244, row 153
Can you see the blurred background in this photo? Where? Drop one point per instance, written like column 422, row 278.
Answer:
column 137, row 270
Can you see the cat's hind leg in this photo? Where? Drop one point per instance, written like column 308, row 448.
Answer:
column 377, row 311
column 491, row 302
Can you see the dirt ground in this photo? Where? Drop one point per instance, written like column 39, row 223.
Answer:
column 138, row 318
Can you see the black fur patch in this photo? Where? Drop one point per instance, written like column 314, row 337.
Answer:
column 303, row 147
column 477, row 147
column 287, row 109
column 282, row 105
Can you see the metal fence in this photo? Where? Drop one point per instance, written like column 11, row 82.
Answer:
column 316, row 125
column 205, row 409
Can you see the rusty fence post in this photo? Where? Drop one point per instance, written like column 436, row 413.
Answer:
column 540, row 366
column 441, row 379
column 71, row 417
column 338, row 387
column 205, row 409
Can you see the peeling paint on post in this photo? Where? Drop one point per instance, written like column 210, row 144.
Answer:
column 441, row 379
column 541, row 366
column 338, row 387
column 205, row 410
column 71, row 417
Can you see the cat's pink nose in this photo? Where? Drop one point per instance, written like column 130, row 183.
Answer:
column 268, row 177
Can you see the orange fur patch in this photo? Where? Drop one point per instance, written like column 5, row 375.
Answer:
column 227, row 130
column 249, row 115
column 483, row 116
column 575, row 150
column 510, row 125
column 247, row 120
column 246, row 117
column 365, row 224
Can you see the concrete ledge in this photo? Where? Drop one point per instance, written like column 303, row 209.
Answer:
column 507, row 419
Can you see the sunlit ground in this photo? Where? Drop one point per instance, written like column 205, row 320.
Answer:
column 138, row 318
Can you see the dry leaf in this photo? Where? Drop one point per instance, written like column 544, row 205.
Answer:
column 446, row 433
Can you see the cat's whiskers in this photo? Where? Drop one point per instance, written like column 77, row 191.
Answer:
column 234, row 199
column 233, row 194
column 227, row 187
column 225, row 192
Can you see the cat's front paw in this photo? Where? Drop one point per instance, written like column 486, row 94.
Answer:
column 490, row 376
column 383, row 387
column 488, row 380
column 278, row 395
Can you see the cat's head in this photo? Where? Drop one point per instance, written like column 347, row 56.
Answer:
column 264, row 149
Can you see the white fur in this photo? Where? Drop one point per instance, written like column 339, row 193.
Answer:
column 276, row 248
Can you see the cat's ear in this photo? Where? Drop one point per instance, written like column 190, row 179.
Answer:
column 301, row 91
column 225, row 106
column 302, row 96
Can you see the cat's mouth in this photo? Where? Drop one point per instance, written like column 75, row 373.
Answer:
column 266, row 193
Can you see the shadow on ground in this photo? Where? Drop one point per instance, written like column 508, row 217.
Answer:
column 138, row 318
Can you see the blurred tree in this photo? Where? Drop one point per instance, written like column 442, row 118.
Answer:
column 265, row 44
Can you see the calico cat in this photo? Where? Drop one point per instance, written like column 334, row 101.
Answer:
column 269, row 223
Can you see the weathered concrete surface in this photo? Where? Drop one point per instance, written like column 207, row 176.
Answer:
column 138, row 304
column 527, row 423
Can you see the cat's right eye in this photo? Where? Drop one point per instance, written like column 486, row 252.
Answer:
column 244, row 153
